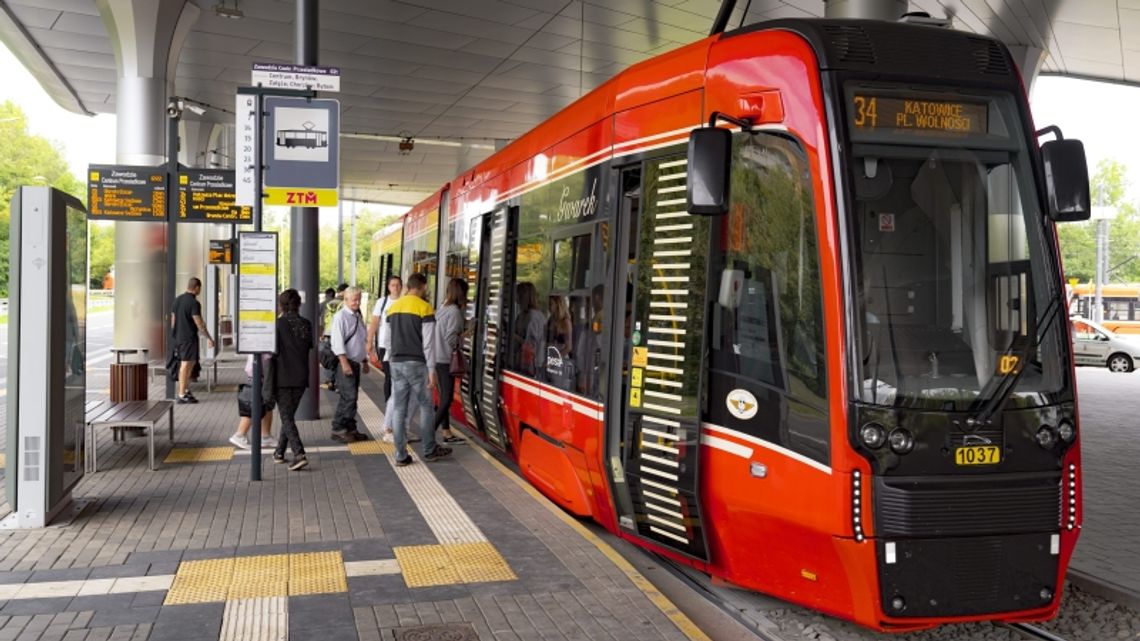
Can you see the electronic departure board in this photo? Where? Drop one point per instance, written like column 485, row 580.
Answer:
column 893, row 114
column 120, row 192
column 221, row 252
column 207, row 196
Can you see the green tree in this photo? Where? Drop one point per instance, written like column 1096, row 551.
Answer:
column 26, row 159
column 1109, row 187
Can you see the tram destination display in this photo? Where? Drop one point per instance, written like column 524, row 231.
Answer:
column 207, row 196
column 898, row 115
column 121, row 192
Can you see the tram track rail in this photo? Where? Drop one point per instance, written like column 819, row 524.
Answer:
column 712, row 597
column 1030, row 631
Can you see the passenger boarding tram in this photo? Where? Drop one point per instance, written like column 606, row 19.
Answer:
column 785, row 305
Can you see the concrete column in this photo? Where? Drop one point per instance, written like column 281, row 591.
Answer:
column 303, row 223
column 890, row 10
column 1028, row 60
column 146, row 36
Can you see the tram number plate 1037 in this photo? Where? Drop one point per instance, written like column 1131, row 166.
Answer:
column 977, row 455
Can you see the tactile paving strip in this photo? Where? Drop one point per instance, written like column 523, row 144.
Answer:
column 428, row 565
column 316, row 573
column 198, row 454
column 202, row 581
column 265, row 619
column 479, row 563
column 249, row 577
column 260, row 576
column 369, row 448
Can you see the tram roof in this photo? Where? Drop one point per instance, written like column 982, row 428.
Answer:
column 464, row 74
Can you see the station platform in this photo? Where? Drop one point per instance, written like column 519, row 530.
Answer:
column 351, row 548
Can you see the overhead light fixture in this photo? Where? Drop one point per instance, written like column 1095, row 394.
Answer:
column 233, row 13
column 435, row 142
column 407, row 145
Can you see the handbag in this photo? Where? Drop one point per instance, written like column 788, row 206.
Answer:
column 458, row 365
column 328, row 358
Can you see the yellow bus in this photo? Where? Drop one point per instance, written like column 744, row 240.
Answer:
column 385, row 259
column 1121, row 303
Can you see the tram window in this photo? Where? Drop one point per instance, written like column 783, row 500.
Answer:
column 533, row 255
column 769, row 310
column 766, row 331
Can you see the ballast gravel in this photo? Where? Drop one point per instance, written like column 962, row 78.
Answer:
column 1083, row 617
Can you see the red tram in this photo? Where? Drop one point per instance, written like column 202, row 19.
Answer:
column 785, row 305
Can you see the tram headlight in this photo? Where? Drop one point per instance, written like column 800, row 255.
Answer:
column 1066, row 431
column 901, row 441
column 1046, row 437
column 873, row 435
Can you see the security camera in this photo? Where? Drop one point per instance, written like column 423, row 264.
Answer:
column 198, row 110
column 173, row 110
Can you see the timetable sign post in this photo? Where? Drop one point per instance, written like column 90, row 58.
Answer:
column 248, row 138
column 207, row 196
column 273, row 75
column 122, row 192
column 257, row 293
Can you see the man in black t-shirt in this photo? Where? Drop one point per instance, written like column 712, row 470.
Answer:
column 185, row 325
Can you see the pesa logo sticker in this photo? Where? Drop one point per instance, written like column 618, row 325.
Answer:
column 742, row 404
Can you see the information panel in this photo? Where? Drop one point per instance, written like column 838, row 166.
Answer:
column 221, row 252
column 871, row 112
column 122, row 192
column 207, row 196
column 257, row 293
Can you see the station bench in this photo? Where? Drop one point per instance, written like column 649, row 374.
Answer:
column 143, row 414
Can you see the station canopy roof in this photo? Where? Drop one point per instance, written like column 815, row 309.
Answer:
column 458, row 75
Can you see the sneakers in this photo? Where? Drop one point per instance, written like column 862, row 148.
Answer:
column 239, row 441
column 186, row 398
column 359, row 436
column 404, row 463
column 268, row 442
column 439, row 453
column 299, row 463
column 278, row 458
column 342, row 437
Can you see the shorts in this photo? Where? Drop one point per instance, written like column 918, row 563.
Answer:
column 187, row 350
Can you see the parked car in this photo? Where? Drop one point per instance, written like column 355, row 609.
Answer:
column 1094, row 344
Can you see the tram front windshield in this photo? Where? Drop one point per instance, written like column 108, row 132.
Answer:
column 953, row 270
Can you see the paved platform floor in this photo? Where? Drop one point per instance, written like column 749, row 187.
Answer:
column 1107, row 560
column 352, row 548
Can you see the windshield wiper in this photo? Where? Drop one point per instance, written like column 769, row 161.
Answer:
column 1008, row 383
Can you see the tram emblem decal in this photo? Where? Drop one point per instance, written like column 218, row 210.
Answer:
column 742, row 404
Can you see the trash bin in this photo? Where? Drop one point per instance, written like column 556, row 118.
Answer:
column 128, row 380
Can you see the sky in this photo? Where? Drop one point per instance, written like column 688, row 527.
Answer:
column 1099, row 114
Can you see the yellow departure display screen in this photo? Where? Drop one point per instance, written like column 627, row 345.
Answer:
column 890, row 114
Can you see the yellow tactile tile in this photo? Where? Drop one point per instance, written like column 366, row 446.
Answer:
column 181, row 455
column 316, row 573
column 215, row 453
column 369, row 448
column 260, row 576
column 197, row 454
column 449, row 564
column 203, row 581
column 479, row 563
column 263, row 576
column 426, row 565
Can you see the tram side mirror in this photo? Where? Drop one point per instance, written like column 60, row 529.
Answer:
column 1066, row 180
column 710, row 159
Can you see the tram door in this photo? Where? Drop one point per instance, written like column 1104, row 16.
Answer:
column 658, row 437
column 490, row 243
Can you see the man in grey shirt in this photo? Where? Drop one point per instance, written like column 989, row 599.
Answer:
column 348, row 343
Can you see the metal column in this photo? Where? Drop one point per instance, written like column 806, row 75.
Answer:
column 889, row 10
column 303, row 223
